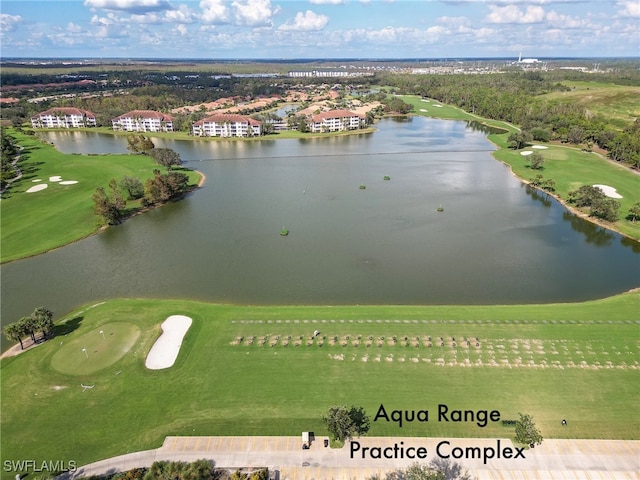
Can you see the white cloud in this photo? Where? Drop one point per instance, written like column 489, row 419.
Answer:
column 630, row 8
column 253, row 13
column 453, row 21
column 557, row 20
column 512, row 14
column 110, row 19
column 8, row 22
column 214, row 12
column 73, row 28
column 182, row 14
column 307, row 21
column 133, row 6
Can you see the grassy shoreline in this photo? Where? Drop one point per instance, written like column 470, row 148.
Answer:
column 240, row 372
column 35, row 223
column 568, row 166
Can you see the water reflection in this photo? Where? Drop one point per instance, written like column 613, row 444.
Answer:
column 495, row 241
column 593, row 234
column 544, row 198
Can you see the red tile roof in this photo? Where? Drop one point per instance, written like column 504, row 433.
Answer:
column 65, row 111
column 228, row 117
column 145, row 114
column 335, row 114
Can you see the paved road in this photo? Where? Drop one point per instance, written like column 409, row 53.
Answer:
column 554, row 459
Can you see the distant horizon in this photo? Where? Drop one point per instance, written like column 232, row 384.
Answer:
column 319, row 29
column 316, row 59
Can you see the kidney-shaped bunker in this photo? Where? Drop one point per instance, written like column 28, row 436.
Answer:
column 164, row 352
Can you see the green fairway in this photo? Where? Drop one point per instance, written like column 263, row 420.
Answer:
column 246, row 370
column 37, row 222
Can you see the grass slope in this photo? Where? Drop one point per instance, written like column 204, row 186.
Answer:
column 246, row 370
column 34, row 223
column 620, row 104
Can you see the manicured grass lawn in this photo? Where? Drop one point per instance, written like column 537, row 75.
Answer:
column 96, row 349
column 246, row 370
column 571, row 168
column 34, row 223
column 433, row 108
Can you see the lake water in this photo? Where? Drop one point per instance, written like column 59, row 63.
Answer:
column 495, row 242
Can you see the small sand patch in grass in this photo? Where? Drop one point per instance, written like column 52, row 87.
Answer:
column 69, row 182
column 37, row 188
column 539, row 147
column 55, row 178
column 526, row 152
column 608, row 191
column 36, row 180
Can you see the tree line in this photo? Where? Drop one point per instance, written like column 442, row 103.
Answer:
column 515, row 98
column 39, row 322
column 8, row 152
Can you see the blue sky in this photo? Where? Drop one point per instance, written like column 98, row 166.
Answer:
column 285, row 29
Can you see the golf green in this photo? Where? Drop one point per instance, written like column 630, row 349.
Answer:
column 99, row 348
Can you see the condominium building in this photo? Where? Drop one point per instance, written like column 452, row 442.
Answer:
column 63, row 117
column 227, row 125
column 336, row 121
column 143, row 121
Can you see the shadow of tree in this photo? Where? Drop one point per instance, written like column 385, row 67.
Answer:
column 67, row 327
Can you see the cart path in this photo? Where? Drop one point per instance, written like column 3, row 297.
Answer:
column 554, row 459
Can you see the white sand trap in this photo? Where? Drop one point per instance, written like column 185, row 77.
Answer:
column 540, row 147
column 609, row 191
column 425, row 100
column 37, row 180
column 37, row 188
column 69, row 182
column 422, row 110
column 164, row 352
column 439, row 106
column 55, row 178
column 526, row 152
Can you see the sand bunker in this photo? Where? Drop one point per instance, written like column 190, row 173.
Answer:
column 526, row 152
column 422, row 110
column 540, row 147
column 609, row 191
column 37, row 188
column 164, row 352
column 55, row 178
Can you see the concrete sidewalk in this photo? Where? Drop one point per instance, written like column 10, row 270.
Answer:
column 554, row 459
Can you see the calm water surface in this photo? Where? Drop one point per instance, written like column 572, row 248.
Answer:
column 495, row 242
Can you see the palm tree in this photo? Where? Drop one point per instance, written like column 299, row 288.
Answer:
column 43, row 320
column 13, row 332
